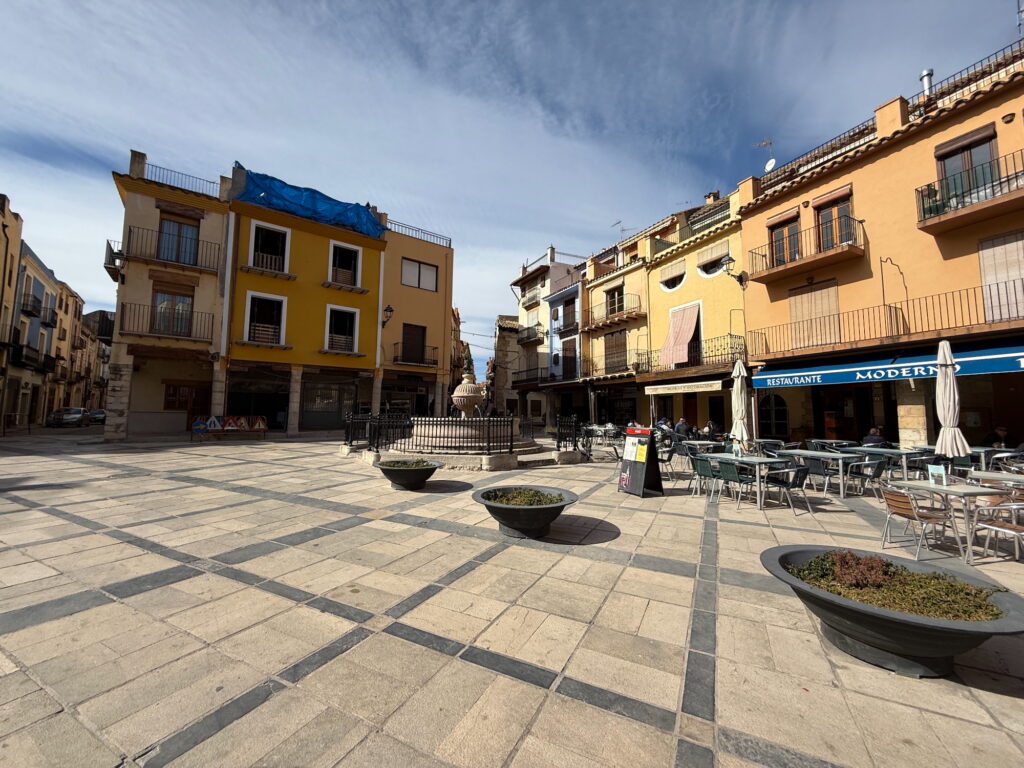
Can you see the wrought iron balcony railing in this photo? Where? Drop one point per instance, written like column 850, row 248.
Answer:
column 983, row 182
column 529, row 375
column 48, row 317
column 146, row 320
column 966, row 309
column 339, row 343
column 265, row 333
column 630, row 361
column 615, row 309
column 168, row 247
column 841, row 232
column 273, row 262
column 78, row 343
column 840, row 145
column 531, row 334
column 32, row 305
column 530, row 297
column 409, row 354
column 718, row 350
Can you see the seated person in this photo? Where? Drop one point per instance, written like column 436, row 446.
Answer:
column 997, row 438
column 874, row 438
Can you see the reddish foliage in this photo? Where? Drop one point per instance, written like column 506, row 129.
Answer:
column 858, row 572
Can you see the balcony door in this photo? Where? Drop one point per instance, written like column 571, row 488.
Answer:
column 569, row 359
column 967, row 173
column 814, row 315
column 1002, row 277
column 615, row 301
column 835, row 227
column 414, row 343
column 615, row 352
column 179, row 241
column 171, row 314
column 785, row 243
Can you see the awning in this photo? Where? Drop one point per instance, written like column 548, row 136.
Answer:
column 969, row 362
column 691, row 386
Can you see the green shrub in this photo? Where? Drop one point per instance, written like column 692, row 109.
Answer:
column 523, row 497
column 405, row 464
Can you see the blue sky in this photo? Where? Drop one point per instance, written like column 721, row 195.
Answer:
column 509, row 125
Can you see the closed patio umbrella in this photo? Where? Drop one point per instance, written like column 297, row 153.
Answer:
column 739, row 403
column 951, row 442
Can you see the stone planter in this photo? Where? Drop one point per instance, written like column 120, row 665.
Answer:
column 524, row 522
column 916, row 646
column 408, row 478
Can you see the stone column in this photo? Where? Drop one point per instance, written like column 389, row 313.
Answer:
column 524, row 411
column 294, row 401
column 119, row 389
column 440, row 401
column 912, row 412
column 378, row 381
column 218, row 391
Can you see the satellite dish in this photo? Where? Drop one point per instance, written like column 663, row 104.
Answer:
column 769, row 165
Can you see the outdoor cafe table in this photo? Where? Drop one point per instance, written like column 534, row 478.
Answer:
column 759, row 463
column 965, row 492
column 1009, row 478
column 699, row 443
column 904, row 455
column 976, row 450
column 826, row 456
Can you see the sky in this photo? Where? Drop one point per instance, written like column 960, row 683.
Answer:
column 508, row 125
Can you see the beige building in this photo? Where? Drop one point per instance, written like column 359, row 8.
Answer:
column 10, row 258
column 30, row 379
column 501, row 368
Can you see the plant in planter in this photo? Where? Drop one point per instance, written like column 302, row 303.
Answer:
column 408, row 474
column 903, row 615
column 524, row 511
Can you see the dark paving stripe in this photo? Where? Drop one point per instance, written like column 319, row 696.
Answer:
column 329, row 652
column 705, row 597
column 285, row 590
column 335, row 608
column 76, row 519
column 762, row 752
column 250, row 552
column 490, row 552
column 664, row 565
column 699, row 686
column 181, row 742
column 760, row 581
column 57, row 608
column 426, row 639
column 689, row 754
column 237, row 574
column 640, row 711
column 301, row 537
column 148, row 581
column 520, row 670
column 345, row 523
column 702, row 632
column 398, row 610
column 457, row 573
column 403, row 519
column 707, row 572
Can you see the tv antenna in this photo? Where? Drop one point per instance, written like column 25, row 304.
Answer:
column 622, row 230
column 766, row 144
column 1020, row 16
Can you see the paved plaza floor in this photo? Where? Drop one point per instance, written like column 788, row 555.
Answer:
column 274, row 604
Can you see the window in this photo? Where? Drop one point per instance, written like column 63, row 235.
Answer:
column 179, row 241
column 531, row 318
column 569, row 313
column 672, row 276
column 344, row 264
column 171, row 313
column 615, row 352
column 265, row 319
column 342, row 329
column 414, row 344
column 269, row 248
column 177, row 397
column 615, row 300
column 785, row 243
column 419, row 275
column 773, row 417
column 814, row 315
column 835, row 227
column 965, row 164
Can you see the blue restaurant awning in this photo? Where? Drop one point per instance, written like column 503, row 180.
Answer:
column 970, row 361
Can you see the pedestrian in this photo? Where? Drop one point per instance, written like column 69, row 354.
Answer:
column 682, row 428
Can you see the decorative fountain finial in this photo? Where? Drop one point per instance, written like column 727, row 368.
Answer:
column 468, row 395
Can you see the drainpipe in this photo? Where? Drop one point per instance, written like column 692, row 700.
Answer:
column 228, row 270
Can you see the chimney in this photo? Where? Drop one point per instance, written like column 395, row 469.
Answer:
column 551, row 254
column 926, row 81
column 712, row 197
column 137, row 165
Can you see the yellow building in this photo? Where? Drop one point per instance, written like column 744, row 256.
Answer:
column 10, row 238
column 695, row 321
column 33, row 360
column 165, row 367
column 867, row 250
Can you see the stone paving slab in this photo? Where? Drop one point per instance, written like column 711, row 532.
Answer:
column 273, row 604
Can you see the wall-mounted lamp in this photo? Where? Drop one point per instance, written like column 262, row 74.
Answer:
column 741, row 278
column 388, row 312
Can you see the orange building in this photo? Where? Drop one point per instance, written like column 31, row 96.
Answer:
column 866, row 251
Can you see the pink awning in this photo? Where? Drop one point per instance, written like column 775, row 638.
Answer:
column 682, row 324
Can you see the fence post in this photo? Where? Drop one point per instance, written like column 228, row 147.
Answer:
column 511, row 436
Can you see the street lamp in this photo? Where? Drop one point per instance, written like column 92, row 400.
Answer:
column 741, row 278
column 388, row 312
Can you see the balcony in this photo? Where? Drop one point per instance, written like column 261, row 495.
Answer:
column 533, row 334
column 529, row 376
column 627, row 362
column 32, row 306
column 824, row 245
column 78, row 343
column 569, row 326
column 48, row 317
column 570, row 371
column 982, row 192
column 60, row 372
column 62, row 334
column 530, row 298
column 613, row 311
column 717, row 351
column 993, row 307
column 414, row 354
column 29, row 357
column 178, row 323
column 167, row 248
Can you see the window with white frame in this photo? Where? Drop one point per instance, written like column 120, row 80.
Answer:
column 342, row 329
column 419, row 275
column 264, row 319
column 269, row 247
column 345, row 264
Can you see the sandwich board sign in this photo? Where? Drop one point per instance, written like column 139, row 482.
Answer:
column 639, row 474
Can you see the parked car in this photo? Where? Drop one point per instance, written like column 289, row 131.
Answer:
column 98, row 416
column 69, row 417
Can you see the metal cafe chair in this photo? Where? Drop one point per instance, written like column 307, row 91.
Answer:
column 788, row 480
column 917, row 511
column 731, row 475
column 816, row 468
column 706, row 476
column 867, row 473
column 1002, row 519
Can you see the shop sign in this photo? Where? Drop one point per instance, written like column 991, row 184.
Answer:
column 691, row 386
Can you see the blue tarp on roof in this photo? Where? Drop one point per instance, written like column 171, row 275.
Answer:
column 261, row 189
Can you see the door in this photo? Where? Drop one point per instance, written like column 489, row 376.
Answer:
column 179, row 242
column 569, row 359
column 814, row 315
column 614, row 352
column 835, row 227
column 414, row 343
column 1002, row 278
column 172, row 314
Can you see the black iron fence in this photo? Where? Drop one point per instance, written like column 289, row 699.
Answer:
column 626, row 361
column 837, row 233
column 414, row 354
column 422, row 234
column 530, row 334
column 985, row 181
column 159, row 321
column 834, row 147
column 566, row 433
column 171, row 247
column 182, row 180
column 529, row 375
column 415, row 434
column 48, row 317
column 718, row 350
column 32, row 305
column 612, row 309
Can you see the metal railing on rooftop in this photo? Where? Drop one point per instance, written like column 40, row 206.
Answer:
column 708, row 218
column 421, row 234
column 834, row 147
column 840, row 231
column 986, row 181
column 978, row 75
column 182, row 180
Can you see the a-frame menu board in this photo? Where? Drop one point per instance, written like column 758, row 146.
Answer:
column 639, row 473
